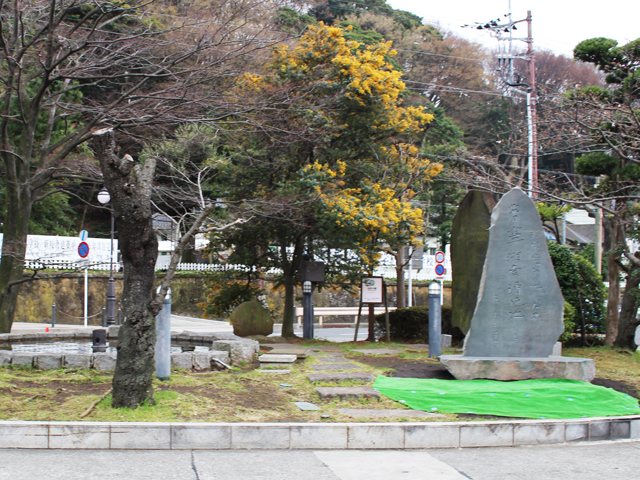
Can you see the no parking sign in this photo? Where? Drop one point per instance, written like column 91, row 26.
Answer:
column 439, row 269
column 83, row 249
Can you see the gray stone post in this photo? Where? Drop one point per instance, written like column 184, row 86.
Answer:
column 163, row 339
column 435, row 320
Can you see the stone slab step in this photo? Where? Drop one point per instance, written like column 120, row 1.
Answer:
column 390, row 413
column 301, row 353
column 347, row 392
column 273, row 358
column 340, row 377
column 333, row 359
column 274, row 371
column 378, row 351
column 307, row 406
column 335, row 366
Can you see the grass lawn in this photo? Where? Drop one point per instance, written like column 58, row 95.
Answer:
column 241, row 395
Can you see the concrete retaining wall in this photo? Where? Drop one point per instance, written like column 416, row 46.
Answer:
column 269, row 436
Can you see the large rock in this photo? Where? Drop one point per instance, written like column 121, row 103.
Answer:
column 251, row 318
column 520, row 306
column 469, row 241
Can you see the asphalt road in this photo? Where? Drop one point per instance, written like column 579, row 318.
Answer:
column 181, row 323
column 611, row 461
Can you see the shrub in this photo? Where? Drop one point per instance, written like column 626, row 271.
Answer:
column 411, row 324
column 224, row 295
column 581, row 286
column 569, row 322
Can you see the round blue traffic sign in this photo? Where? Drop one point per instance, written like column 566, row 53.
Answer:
column 440, row 270
column 83, row 249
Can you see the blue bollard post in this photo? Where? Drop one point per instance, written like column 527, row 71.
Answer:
column 435, row 320
column 163, row 339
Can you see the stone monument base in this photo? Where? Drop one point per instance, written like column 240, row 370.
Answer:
column 519, row 368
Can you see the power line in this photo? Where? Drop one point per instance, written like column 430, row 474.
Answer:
column 451, row 89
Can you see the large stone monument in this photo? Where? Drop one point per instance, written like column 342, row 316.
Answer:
column 518, row 314
column 469, row 241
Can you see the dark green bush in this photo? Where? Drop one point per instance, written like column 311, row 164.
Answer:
column 569, row 318
column 411, row 324
column 581, row 286
column 224, row 295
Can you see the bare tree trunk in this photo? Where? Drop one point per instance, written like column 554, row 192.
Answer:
column 289, row 269
column 130, row 185
column 14, row 246
column 289, row 307
column 615, row 239
column 613, row 299
column 627, row 321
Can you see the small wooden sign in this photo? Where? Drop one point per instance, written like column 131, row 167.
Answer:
column 372, row 290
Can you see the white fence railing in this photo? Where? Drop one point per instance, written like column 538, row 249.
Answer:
column 60, row 253
column 387, row 271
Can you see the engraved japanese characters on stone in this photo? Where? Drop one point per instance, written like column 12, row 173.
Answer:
column 520, row 306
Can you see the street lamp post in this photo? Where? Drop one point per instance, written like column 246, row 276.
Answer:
column 104, row 198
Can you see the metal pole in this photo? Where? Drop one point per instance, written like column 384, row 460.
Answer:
column 435, row 320
column 386, row 313
column 532, row 115
column 111, row 285
column 54, row 314
column 307, row 310
column 409, row 302
column 355, row 335
column 163, row 339
column 86, row 294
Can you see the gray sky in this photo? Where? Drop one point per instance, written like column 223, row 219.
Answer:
column 558, row 25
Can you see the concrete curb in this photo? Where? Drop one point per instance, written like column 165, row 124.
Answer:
column 318, row 436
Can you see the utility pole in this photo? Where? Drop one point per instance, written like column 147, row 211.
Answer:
column 520, row 85
column 532, row 119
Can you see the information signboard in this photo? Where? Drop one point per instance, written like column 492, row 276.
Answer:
column 372, row 290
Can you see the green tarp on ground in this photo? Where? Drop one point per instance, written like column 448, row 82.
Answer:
column 541, row 398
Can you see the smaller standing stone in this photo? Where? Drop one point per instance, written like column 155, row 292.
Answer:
column 201, row 362
column 22, row 359
column 45, row 361
column 77, row 360
column 105, row 362
column 183, row 360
